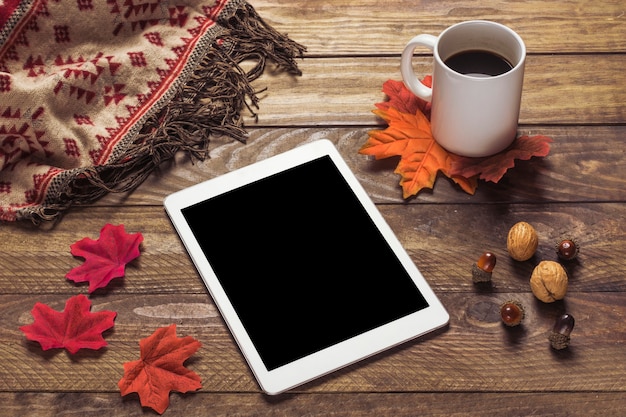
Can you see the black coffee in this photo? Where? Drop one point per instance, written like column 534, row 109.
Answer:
column 478, row 63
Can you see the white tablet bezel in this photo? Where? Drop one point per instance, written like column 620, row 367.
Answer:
column 341, row 354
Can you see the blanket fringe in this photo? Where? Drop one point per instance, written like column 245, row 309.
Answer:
column 210, row 104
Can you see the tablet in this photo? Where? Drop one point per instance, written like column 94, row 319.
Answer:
column 302, row 266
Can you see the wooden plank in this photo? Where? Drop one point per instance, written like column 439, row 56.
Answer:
column 558, row 89
column 363, row 28
column 201, row 404
column 599, row 172
column 444, row 240
column 475, row 353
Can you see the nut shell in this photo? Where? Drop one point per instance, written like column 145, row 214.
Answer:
column 548, row 281
column 522, row 241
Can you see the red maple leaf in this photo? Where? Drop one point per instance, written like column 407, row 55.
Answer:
column 403, row 100
column 73, row 329
column 160, row 369
column 105, row 258
column 492, row 168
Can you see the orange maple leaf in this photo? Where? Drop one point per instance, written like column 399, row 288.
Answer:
column 160, row 369
column 409, row 136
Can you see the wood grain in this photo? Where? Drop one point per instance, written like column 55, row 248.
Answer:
column 476, row 352
column 402, row 404
column 597, row 175
column 582, row 166
column 438, row 237
column 371, row 28
column 558, row 89
column 574, row 92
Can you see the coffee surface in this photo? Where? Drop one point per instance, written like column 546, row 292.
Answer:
column 478, row 63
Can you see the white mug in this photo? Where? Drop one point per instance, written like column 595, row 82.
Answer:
column 475, row 107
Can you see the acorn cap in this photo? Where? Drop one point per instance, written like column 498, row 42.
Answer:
column 558, row 341
column 480, row 275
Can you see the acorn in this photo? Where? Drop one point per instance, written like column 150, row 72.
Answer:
column 567, row 249
column 512, row 313
column 560, row 335
column 483, row 268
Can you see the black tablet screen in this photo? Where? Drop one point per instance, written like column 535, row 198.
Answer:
column 302, row 262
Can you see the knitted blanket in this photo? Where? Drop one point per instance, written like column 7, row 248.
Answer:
column 95, row 94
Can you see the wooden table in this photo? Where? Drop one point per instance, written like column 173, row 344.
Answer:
column 575, row 92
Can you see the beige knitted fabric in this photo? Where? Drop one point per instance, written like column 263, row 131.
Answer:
column 94, row 94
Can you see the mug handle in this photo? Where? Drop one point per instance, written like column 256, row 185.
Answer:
column 406, row 66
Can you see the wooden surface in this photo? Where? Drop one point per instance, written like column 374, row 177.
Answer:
column 575, row 92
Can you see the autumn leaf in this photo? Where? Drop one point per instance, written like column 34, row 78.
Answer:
column 409, row 136
column 493, row 168
column 160, row 369
column 421, row 158
column 403, row 100
column 105, row 258
column 73, row 329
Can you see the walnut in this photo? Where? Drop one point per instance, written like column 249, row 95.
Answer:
column 522, row 241
column 549, row 281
